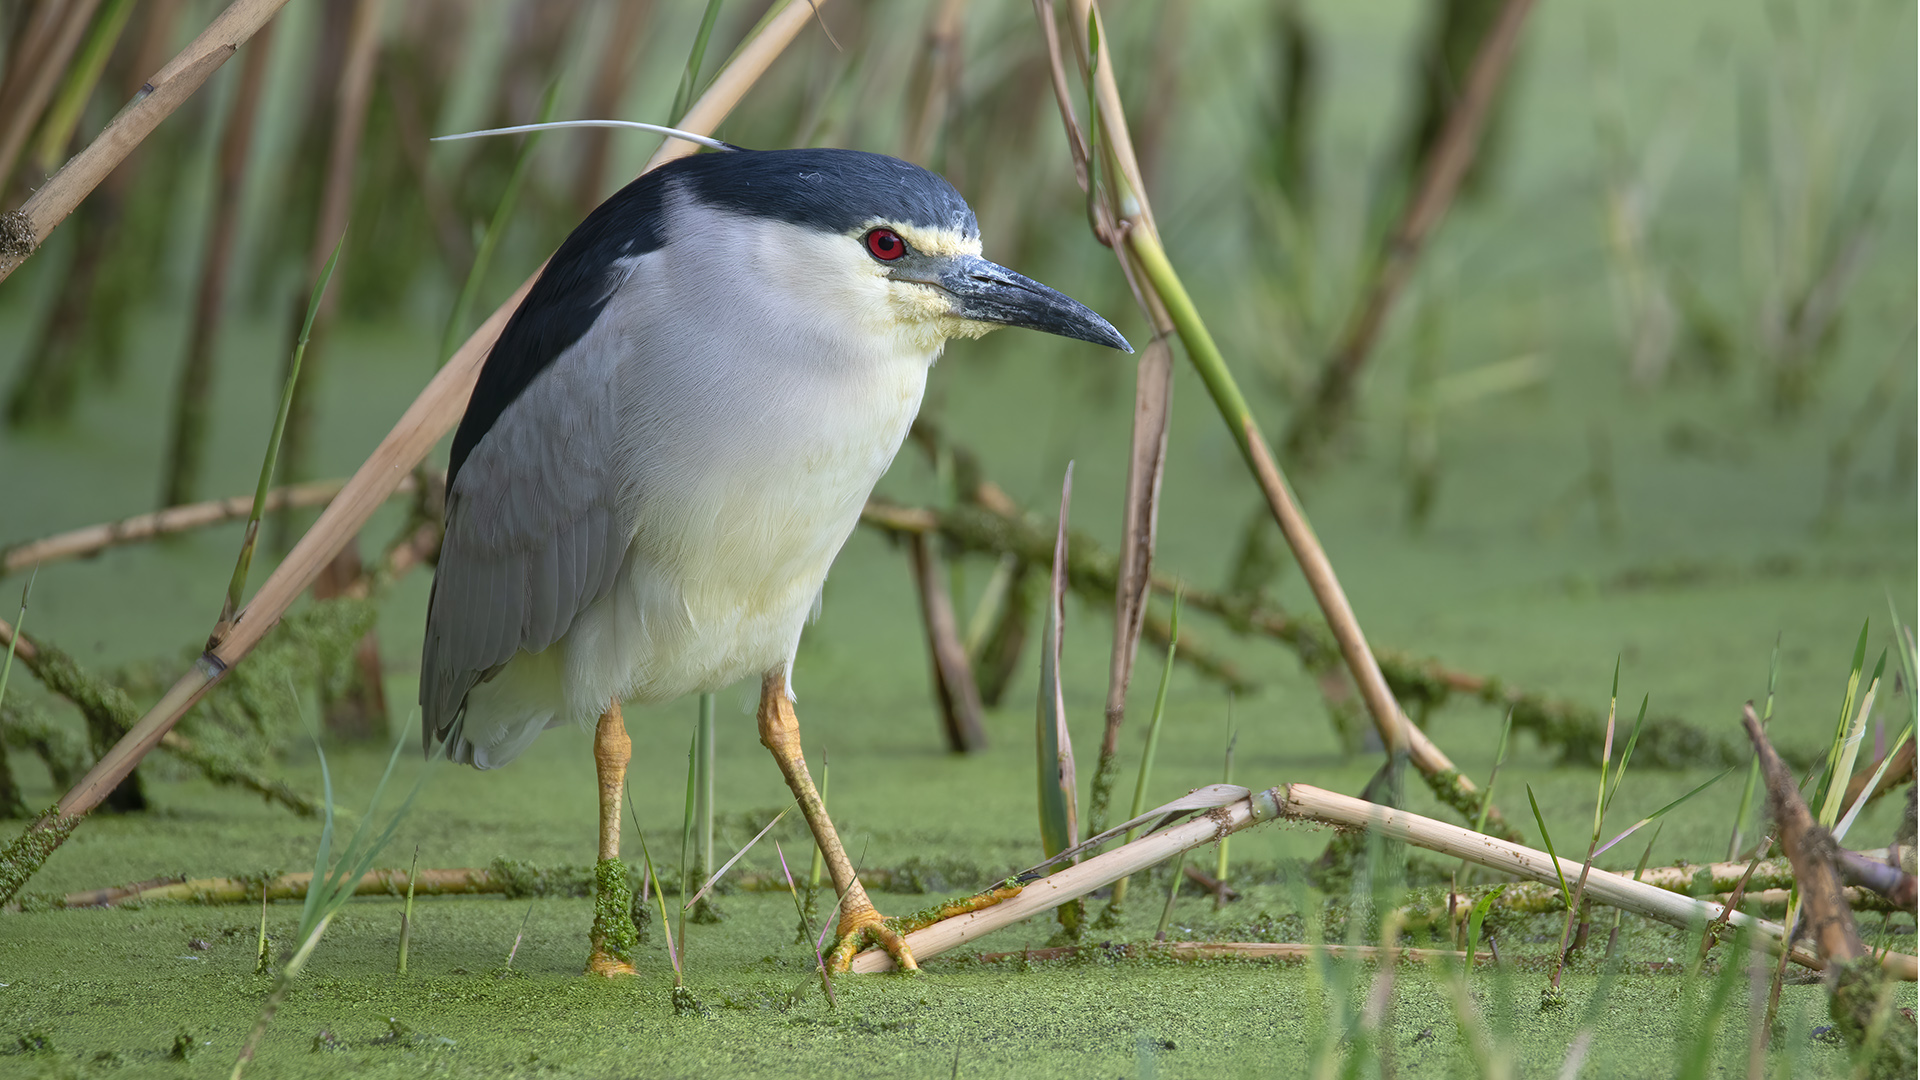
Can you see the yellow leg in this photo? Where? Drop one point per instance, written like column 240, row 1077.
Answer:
column 859, row 922
column 612, row 749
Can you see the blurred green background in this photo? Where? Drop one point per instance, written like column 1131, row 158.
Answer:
column 1650, row 397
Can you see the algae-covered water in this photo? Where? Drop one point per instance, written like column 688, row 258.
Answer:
column 1718, row 529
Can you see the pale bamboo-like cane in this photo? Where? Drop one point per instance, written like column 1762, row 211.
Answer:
column 22, row 230
column 431, row 416
column 93, row 539
column 1303, row 802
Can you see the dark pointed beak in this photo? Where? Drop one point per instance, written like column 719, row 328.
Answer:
column 988, row 292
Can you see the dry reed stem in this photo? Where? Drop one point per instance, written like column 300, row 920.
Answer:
column 1233, row 950
column 431, row 416
column 22, row 230
column 618, row 54
column 51, row 36
column 1809, row 848
column 352, row 95
column 1114, row 215
column 1076, row 881
column 1308, row 803
column 1303, row 801
column 1900, row 771
column 941, row 70
column 1447, row 165
column 1174, row 308
column 953, row 683
column 750, row 61
column 93, row 539
column 1005, row 529
column 186, row 445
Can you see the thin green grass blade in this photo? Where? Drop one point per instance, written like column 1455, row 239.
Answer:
column 1153, row 738
column 1847, row 702
column 1626, row 756
column 819, row 860
column 1850, row 748
column 309, row 911
column 1477, row 919
column 13, row 641
column 1226, row 777
column 238, row 585
column 1660, row 813
column 456, row 328
column 1547, row 838
column 683, row 97
column 1606, row 755
column 1753, row 767
column 1057, row 786
column 1909, row 660
column 660, row 898
column 1696, row 1058
column 686, row 837
column 728, row 865
column 1846, row 823
column 1159, row 713
column 703, row 798
column 1499, row 759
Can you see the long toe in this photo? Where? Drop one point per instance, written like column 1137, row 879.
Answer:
column 867, row 926
column 606, row 965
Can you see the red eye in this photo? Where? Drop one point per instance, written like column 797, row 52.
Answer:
column 885, row 245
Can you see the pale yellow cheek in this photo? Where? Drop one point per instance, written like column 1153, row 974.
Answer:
column 925, row 316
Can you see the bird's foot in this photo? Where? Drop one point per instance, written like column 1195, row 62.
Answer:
column 868, row 927
column 890, row 934
column 605, row 964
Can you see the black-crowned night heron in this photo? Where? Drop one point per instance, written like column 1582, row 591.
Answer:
column 674, row 436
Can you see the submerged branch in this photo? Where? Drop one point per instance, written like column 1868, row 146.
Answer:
column 93, row 539
column 108, row 709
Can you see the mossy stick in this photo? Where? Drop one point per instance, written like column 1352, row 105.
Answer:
column 140, row 528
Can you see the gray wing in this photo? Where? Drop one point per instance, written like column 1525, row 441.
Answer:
column 536, row 531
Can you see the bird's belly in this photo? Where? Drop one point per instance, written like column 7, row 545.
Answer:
column 723, row 573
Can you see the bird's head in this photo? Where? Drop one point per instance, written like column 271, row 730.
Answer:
column 876, row 240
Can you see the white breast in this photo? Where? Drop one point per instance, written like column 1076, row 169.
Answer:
column 750, row 436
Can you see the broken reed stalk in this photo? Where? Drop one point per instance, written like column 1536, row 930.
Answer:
column 1111, row 154
column 22, row 230
column 1147, row 755
column 954, row 688
column 91, row 540
column 1059, row 791
column 1145, row 264
column 432, row 414
column 1855, row 977
column 187, row 438
column 1232, row 950
column 1397, row 733
column 1303, row 802
column 1327, row 406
